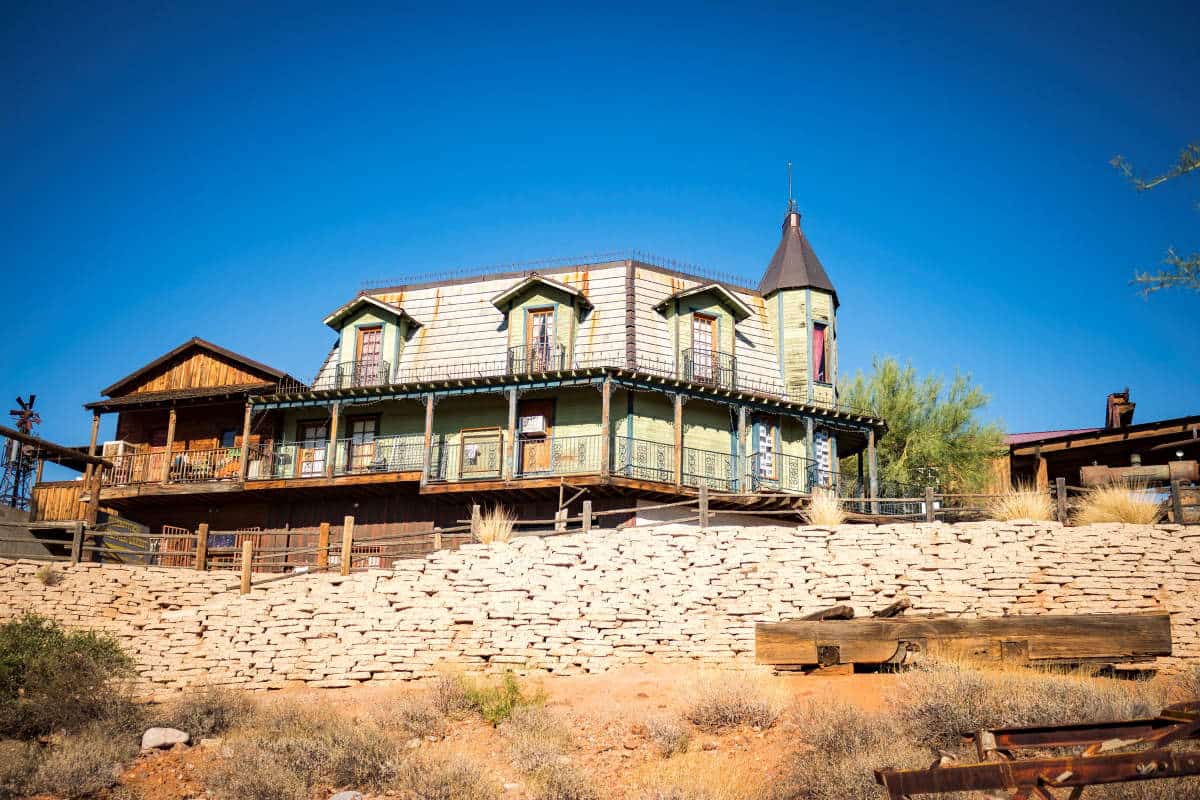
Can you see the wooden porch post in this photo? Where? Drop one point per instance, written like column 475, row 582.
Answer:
column 509, row 464
column 1043, row 477
column 745, row 482
column 678, row 439
column 245, row 462
column 87, row 473
column 810, row 454
column 166, row 468
column 605, row 426
column 93, row 506
column 872, row 471
column 334, row 418
column 323, row 545
column 201, row 562
column 425, row 458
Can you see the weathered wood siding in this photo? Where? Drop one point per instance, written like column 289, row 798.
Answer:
column 194, row 369
column 706, row 426
column 56, row 502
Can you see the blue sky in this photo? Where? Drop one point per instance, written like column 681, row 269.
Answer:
column 172, row 171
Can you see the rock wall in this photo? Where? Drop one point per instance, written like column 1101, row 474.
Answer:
column 589, row 602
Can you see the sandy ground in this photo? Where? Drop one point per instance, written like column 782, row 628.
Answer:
column 605, row 712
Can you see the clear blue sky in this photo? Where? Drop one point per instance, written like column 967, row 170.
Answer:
column 236, row 175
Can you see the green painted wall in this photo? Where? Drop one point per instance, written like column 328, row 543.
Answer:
column 541, row 297
column 706, row 426
column 788, row 306
column 393, row 336
column 654, row 417
column 680, row 324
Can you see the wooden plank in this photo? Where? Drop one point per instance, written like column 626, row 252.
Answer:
column 678, row 431
column 1060, row 638
column 168, row 454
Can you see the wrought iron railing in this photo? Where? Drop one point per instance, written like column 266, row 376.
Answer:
column 710, row 367
column 710, row 468
column 779, row 472
column 559, row 455
column 548, row 356
column 644, row 460
column 477, row 455
column 355, row 374
column 361, row 455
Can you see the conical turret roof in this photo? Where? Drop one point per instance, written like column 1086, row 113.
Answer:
column 795, row 265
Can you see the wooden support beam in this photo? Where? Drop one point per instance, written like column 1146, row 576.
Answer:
column 425, row 458
column 244, row 464
column 476, row 521
column 93, row 506
column 335, row 414
column 745, row 479
column 703, row 506
column 166, row 467
column 1177, row 502
column 77, row 543
column 509, row 463
column 92, row 442
column 1060, row 499
column 202, row 547
column 247, row 563
column 323, row 545
column 587, row 516
column 872, row 471
column 347, row 544
column 930, row 512
column 605, row 426
column 1042, row 481
column 678, row 465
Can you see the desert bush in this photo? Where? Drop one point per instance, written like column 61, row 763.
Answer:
column 422, row 778
column 83, row 763
column 940, row 700
column 209, row 711
column 496, row 525
column 448, row 694
column 18, row 762
column 1117, row 502
column 414, row 716
column 47, row 576
column 838, row 729
column 256, row 775
column 1024, row 502
column 669, row 735
column 537, row 738
column 813, row 776
column 563, row 781
column 53, row 679
column 731, row 700
column 495, row 702
column 1187, row 684
column 824, row 509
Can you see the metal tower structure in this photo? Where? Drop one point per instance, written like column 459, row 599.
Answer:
column 20, row 459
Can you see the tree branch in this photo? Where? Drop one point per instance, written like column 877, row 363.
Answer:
column 1182, row 273
column 1189, row 160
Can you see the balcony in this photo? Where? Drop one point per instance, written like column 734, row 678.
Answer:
column 546, row 356
column 716, row 470
column 643, row 460
column 710, row 368
column 180, row 466
column 356, row 374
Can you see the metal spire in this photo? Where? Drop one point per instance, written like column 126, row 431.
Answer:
column 791, row 199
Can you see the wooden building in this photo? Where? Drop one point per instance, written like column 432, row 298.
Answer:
column 624, row 378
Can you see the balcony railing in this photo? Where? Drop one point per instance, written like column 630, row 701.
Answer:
column 716, row 470
column 545, row 356
column 355, row 374
column 477, row 455
column 197, row 466
column 643, row 460
column 559, row 455
column 360, row 455
column 710, row 368
column 780, row 472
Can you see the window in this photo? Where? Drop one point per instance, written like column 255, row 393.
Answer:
column 539, row 338
column 368, row 367
column 704, row 345
column 228, row 437
column 820, row 352
column 362, row 442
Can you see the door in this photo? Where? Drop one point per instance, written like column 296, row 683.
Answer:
column 767, row 433
column 368, row 367
column 704, row 345
column 539, row 340
column 535, row 431
column 361, row 452
column 312, row 442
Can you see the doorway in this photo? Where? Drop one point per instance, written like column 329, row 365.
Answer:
column 535, row 434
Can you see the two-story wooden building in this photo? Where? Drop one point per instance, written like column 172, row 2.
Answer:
column 627, row 378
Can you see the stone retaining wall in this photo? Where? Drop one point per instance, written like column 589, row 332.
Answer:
column 589, row 602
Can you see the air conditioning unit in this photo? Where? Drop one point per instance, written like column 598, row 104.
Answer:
column 117, row 448
column 533, row 424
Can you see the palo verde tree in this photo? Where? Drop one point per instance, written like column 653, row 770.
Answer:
column 935, row 436
column 1180, row 271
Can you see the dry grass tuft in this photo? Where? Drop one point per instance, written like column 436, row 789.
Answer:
column 422, row 778
column 83, row 763
column 496, row 702
column 209, row 712
column 732, row 699
column 1024, row 502
column 18, row 763
column 47, row 575
column 448, row 694
column 824, row 509
column 496, row 525
column 563, row 781
column 538, row 738
column 1118, row 502
column 414, row 716
column 698, row 776
column 669, row 735
column 1187, row 684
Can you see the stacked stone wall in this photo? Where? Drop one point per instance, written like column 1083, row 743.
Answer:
column 589, row 602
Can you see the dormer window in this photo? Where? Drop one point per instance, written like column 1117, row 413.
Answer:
column 542, row 317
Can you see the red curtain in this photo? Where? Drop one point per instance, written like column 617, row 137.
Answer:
column 818, row 357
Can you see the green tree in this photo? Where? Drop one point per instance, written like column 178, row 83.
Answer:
column 1181, row 271
column 935, row 436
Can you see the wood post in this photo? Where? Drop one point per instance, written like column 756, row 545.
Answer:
column 560, row 520
column 1177, row 501
column 872, row 472
column 509, row 464
column 476, row 520
column 77, row 543
column 587, row 516
column 930, row 514
column 745, row 479
column 166, row 468
column 678, row 439
column 425, row 458
column 1060, row 496
column 202, row 546
column 244, row 465
column 1042, row 479
column 93, row 506
column 323, row 545
column 606, row 426
column 247, row 563
column 335, row 414
column 37, row 477
column 437, row 538
column 703, row 506
column 87, row 473
column 347, row 544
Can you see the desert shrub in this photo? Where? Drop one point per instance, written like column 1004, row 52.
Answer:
column 83, row 763
column 731, row 700
column 838, row 729
column 47, row 576
column 537, row 738
column 1118, row 502
column 813, row 776
column 18, row 762
column 53, row 679
column 824, row 509
column 496, row 525
column 304, row 746
column 449, row 695
column 1024, row 502
column 413, row 716
column 940, row 700
column 495, row 702
column 1187, row 684
column 422, row 778
column 563, row 781
column 209, row 712
column 669, row 735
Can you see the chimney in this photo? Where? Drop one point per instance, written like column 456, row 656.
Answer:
column 1118, row 412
